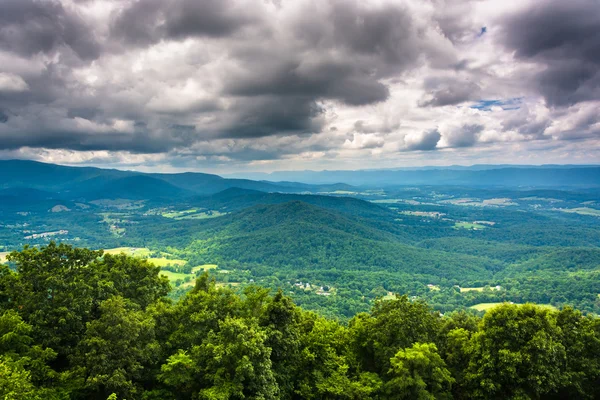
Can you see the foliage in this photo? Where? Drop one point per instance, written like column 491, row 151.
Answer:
column 109, row 331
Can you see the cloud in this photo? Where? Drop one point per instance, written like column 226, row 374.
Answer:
column 143, row 22
column 333, row 82
column 12, row 83
column 562, row 37
column 29, row 27
column 463, row 136
column 426, row 140
column 444, row 91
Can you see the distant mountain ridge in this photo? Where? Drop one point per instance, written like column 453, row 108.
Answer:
column 477, row 175
column 91, row 183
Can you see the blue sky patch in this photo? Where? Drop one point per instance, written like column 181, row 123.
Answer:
column 506, row 104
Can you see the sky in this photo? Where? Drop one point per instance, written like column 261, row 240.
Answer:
column 262, row 85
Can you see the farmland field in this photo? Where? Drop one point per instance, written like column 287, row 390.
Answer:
column 163, row 262
column 471, row 289
column 205, row 267
column 130, row 251
column 582, row 211
column 469, row 225
column 173, row 276
column 487, row 306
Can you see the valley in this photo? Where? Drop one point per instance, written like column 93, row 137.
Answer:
column 473, row 244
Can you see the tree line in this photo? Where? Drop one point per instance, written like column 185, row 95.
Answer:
column 80, row 324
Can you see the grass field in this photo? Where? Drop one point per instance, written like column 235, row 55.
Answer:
column 192, row 214
column 204, row 267
column 471, row 289
column 469, row 225
column 487, row 306
column 203, row 215
column 163, row 262
column 582, row 211
column 130, row 251
column 173, row 276
column 178, row 214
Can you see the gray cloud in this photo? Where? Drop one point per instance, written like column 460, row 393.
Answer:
column 444, row 91
column 28, row 27
column 464, row 136
column 264, row 80
column 428, row 140
column 563, row 36
column 149, row 21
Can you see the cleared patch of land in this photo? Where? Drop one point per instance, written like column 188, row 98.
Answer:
column 389, row 296
column 471, row 289
column 163, row 261
column 428, row 214
column 192, row 214
column 496, row 202
column 174, row 276
column 120, row 204
column 487, row 306
column 395, row 201
column 178, row 214
column 477, row 289
column 469, row 225
column 130, row 251
column 534, row 198
column 581, row 211
column 204, row 267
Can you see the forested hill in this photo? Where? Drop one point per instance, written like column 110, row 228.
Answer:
column 79, row 324
column 92, row 183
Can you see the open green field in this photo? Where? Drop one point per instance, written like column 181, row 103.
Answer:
column 130, row 251
column 582, row 211
column 178, row 214
column 204, row 267
column 203, row 215
column 487, row 306
column 471, row 289
column 192, row 214
column 173, row 276
column 163, row 262
column 469, row 225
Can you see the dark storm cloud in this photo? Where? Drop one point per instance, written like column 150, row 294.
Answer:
column 448, row 91
column 563, row 36
column 273, row 115
column 327, row 79
column 259, row 79
column 28, row 27
column 148, row 21
column 340, row 52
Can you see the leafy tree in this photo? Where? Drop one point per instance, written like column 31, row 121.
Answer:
column 418, row 372
column 115, row 349
column 391, row 326
column 232, row 363
column 517, row 353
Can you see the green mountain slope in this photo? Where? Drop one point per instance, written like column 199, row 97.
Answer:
column 298, row 235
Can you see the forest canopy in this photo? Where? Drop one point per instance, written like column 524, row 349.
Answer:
column 80, row 324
